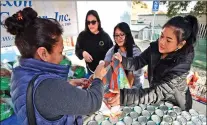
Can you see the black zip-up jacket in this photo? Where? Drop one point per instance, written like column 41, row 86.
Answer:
column 97, row 45
column 167, row 78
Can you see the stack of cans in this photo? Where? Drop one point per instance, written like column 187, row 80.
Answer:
column 163, row 114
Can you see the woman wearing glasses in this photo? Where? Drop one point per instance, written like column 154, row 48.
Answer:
column 126, row 46
column 92, row 43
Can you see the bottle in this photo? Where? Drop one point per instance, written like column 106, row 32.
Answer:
column 159, row 112
column 156, row 119
column 150, row 109
column 128, row 120
column 138, row 109
column 142, row 120
column 146, row 114
column 181, row 119
column 172, row 114
column 151, row 123
column 186, row 115
column 167, row 119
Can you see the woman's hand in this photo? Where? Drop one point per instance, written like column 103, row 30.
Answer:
column 114, row 101
column 117, row 56
column 100, row 71
column 87, row 56
column 79, row 82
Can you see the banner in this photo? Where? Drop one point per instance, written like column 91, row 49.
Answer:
column 63, row 11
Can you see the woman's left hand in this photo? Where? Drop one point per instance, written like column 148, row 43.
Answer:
column 79, row 82
column 114, row 101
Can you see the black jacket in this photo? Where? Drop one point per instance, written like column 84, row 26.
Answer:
column 96, row 45
column 167, row 78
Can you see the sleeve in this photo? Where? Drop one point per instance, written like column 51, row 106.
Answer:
column 137, row 62
column 55, row 97
column 167, row 88
column 78, row 47
column 109, row 55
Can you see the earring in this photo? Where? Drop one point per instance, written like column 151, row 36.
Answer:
column 177, row 49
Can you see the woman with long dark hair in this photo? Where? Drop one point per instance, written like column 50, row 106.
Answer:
column 126, row 46
column 92, row 43
column 169, row 60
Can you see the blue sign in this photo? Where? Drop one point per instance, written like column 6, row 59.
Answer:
column 155, row 6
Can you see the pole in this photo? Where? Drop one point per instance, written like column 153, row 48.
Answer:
column 153, row 23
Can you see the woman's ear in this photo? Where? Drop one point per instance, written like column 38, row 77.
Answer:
column 181, row 44
column 42, row 53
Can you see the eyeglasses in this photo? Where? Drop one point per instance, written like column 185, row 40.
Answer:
column 120, row 36
column 93, row 22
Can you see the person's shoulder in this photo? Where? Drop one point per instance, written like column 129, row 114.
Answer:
column 104, row 33
column 136, row 48
column 82, row 33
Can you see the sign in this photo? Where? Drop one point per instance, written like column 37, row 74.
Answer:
column 63, row 11
column 155, row 6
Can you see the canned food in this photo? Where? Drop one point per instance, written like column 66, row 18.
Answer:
column 172, row 114
column 92, row 122
column 193, row 112
column 146, row 114
column 156, row 119
column 123, row 114
column 190, row 123
column 177, row 110
column 138, row 109
column 186, row 115
column 151, row 123
column 113, row 120
column 135, row 123
column 134, row 115
column 176, row 123
column 127, row 110
column 151, row 109
column 167, row 119
column 159, row 112
column 99, row 118
column 120, row 123
column 106, row 122
column 128, row 120
column 142, row 120
column 182, row 120
column 164, row 108
column 169, row 105
column 164, row 123
column 196, row 120
column 143, row 106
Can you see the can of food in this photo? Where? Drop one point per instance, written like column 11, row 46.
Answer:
column 151, row 123
column 186, row 115
column 92, row 122
column 167, row 119
column 203, row 119
column 150, row 109
column 122, row 115
column 120, row 123
column 182, row 119
column 142, row 120
column 106, row 122
column 172, row 114
column 164, row 123
column 190, row 123
column 177, row 110
column 193, row 112
column 169, row 105
column 146, row 114
column 99, row 118
column 159, row 112
column 176, row 123
column 164, row 108
column 156, row 119
column 138, row 109
column 127, row 110
column 134, row 115
column 143, row 106
column 128, row 120
column 135, row 123
column 196, row 120
column 113, row 120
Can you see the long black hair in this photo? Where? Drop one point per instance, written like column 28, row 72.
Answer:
column 95, row 14
column 32, row 32
column 186, row 28
column 129, row 41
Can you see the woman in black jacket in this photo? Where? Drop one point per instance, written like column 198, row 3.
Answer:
column 169, row 59
column 92, row 43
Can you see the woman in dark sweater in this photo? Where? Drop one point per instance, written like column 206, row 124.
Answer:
column 92, row 43
column 169, row 59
